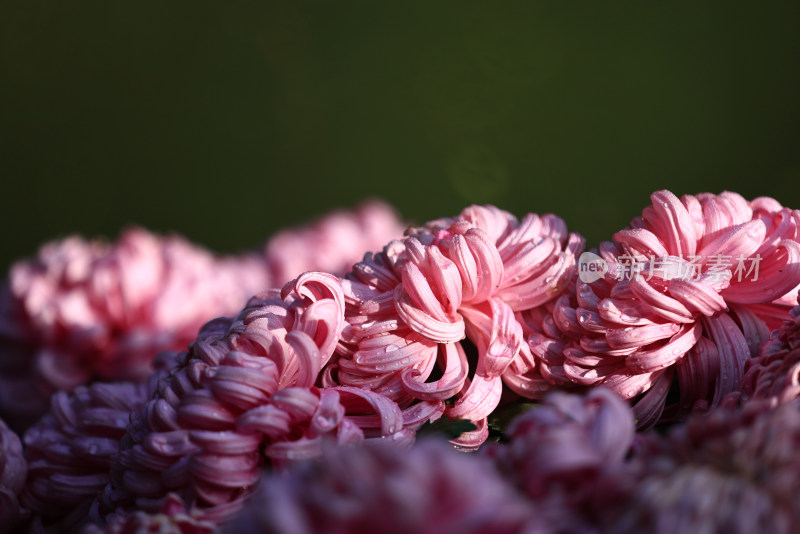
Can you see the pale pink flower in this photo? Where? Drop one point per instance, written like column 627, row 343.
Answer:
column 568, row 457
column 83, row 311
column 775, row 374
column 13, row 469
column 682, row 316
column 244, row 397
column 331, row 244
column 410, row 307
column 378, row 490
column 735, row 470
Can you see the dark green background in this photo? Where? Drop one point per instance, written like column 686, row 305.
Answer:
column 225, row 121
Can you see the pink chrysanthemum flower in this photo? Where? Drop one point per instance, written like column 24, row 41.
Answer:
column 378, row 490
column 333, row 243
column 565, row 456
column 410, row 306
column 735, row 470
column 775, row 374
column 242, row 397
column 692, row 288
column 13, row 469
column 88, row 310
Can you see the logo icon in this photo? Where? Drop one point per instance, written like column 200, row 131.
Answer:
column 591, row 267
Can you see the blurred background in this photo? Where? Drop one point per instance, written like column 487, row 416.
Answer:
column 227, row 121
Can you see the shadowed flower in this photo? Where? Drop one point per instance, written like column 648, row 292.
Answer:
column 410, row 306
column 242, row 397
column 82, row 311
column 378, row 490
column 734, row 470
column 333, row 243
column 70, row 449
column 173, row 518
column 13, row 469
column 566, row 456
column 775, row 374
column 693, row 287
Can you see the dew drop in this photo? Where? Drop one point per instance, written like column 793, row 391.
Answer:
column 629, row 329
column 548, row 279
column 405, row 361
column 93, row 449
column 391, row 348
column 565, row 324
column 392, row 429
column 768, row 290
column 380, row 367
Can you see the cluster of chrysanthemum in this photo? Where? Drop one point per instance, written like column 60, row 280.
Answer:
column 90, row 310
column 305, row 404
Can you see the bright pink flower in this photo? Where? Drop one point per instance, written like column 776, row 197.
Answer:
column 333, row 243
column 687, row 314
column 243, row 397
column 82, row 310
column 13, row 469
column 410, row 306
column 734, row 470
column 378, row 490
column 775, row 374
column 565, row 455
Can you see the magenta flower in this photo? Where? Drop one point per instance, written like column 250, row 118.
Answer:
column 775, row 374
column 82, row 311
column 331, row 244
column 410, row 306
column 692, row 288
column 243, row 397
column 427, row 489
column 734, row 470
column 567, row 456
column 13, row 469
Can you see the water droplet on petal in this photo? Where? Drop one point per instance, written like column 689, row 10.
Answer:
column 391, row 348
column 548, row 279
column 629, row 329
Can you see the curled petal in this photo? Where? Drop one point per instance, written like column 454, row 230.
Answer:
column 659, row 303
column 777, row 276
column 649, row 408
column 674, row 224
column 733, row 353
column 358, row 402
column 662, row 357
column 426, row 325
column 451, row 382
column 697, row 296
column 497, row 335
column 308, row 356
column 480, row 399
